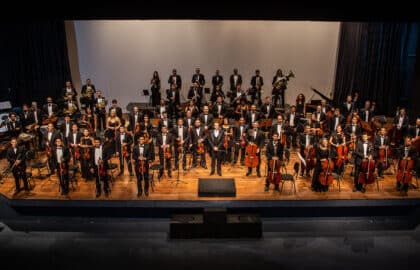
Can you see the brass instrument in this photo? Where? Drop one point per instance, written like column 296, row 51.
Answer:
column 70, row 110
column 89, row 92
column 101, row 104
column 281, row 84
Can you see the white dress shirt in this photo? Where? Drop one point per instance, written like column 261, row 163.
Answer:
column 98, row 154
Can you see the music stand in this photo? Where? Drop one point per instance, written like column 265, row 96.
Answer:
column 177, row 180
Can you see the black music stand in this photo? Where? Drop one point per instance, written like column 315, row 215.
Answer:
column 177, row 180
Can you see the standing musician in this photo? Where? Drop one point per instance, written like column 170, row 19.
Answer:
column 414, row 131
column 300, row 104
column 174, row 100
column 181, row 138
column 241, row 109
column 88, row 92
column 401, row 125
column 217, row 91
column 292, row 120
column 408, row 154
column 164, row 141
column 100, row 104
column 89, row 120
column 50, row 109
column 66, row 128
column 49, row 138
column 196, row 94
column 165, row 121
column 86, row 143
column 237, row 96
column 69, row 90
column 61, row 158
column 336, row 120
column 26, row 117
column 325, row 107
column 267, row 109
column 320, row 116
column 252, row 115
column 257, row 82
column 134, row 119
column 239, row 137
column 216, row 138
column 189, row 120
column 142, row 156
column 235, row 80
column 146, row 128
column 279, row 87
column 162, row 107
column 364, row 150
column 217, row 80
column 274, row 151
column 124, row 142
column 16, row 157
column 175, row 80
column 155, row 89
column 70, row 108
column 14, row 125
column 255, row 136
column 99, row 157
column 381, row 141
column 113, row 124
column 323, row 155
column 347, row 107
column 340, row 149
column 227, row 141
column 219, row 108
column 193, row 108
column 366, row 113
column 74, row 141
column 206, row 118
column 315, row 127
column 197, row 144
column 198, row 78
column 117, row 109
column 353, row 131
column 280, row 128
column 307, row 144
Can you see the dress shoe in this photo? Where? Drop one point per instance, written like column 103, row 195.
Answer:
column 131, row 174
column 139, row 193
column 363, row 190
column 106, row 194
column 265, row 188
column 220, row 174
column 211, row 173
column 248, row 173
column 276, row 188
column 308, row 175
column 169, row 175
column 16, row 191
column 98, row 194
column 120, row 173
column 205, row 167
column 355, row 189
column 258, row 174
column 146, row 193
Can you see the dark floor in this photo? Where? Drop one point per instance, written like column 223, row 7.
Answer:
column 328, row 246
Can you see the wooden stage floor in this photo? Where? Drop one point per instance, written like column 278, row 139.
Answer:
column 247, row 187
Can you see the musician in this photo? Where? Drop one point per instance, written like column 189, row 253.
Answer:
column 215, row 139
column 48, row 141
column 88, row 91
column 134, row 119
column 123, row 143
column 306, row 141
column 408, row 152
column 252, row 115
column 241, row 109
column 173, row 98
column 189, row 120
column 219, row 108
column 237, row 95
column 196, row 94
column 142, row 152
column 315, row 127
column 354, row 129
column 192, row 108
column 162, row 107
column 70, row 107
column 366, row 113
column 227, row 142
column 257, row 82
column 347, row 107
column 61, row 158
column 14, row 125
column 36, row 113
column 414, row 131
column 113, row 124
column 74, row 141
column 146, row 126
column 100, row 104
column 198, row 78
column 175, row 80
column 206, row 118
column 217, row 80
column 86, row 143
column 26, row 116
column 164, row 140
column 356, row 100
column 118, row 110
column 364, row 150
column 381, row 141
column 300, row 104
column 155, row 89
column 280, row 128
column 66, row 128
column 292, row 120
column 197, row 136
column 255, row 136
column 325, row 107
column 16, row 157
column 99, row 165
column 319, row 115
column 239, row 137
column 89, row 120
column 278, row 87
column 401, row 124
column 165, row 121
column 50, row 109
column 274, row 150
column 181, row 138
column 69, row 90
column 337, row 120
column 267, row 109
column 217, row 91
column 322, row 153
column 235, row 80
column 337, row 139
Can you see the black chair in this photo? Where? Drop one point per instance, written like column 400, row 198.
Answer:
column 38, row 165
column 290, row 178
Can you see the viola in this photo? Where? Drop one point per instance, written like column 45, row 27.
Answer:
column 383, row 157
column 226, row 140
column 48, row 150
column 243, row 140
column 325, row 177
column 283, row 138
column 86, row 153
column 200, row 148
column 101, row 168
column 366, row 173
column 251, row 158
column 405, row 166
column 274, row 175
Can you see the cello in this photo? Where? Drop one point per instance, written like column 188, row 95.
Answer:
column 251, row 158
column 309, row 153
column 367, row 169
column 325, row 177
column 200, row 148
column 383, row 157
column 342, row 155
column 274, row 175
column 404, row 174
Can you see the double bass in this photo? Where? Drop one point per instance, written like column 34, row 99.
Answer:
column 405, row 166
column 251, row 157
column 274, row 175
column 366, row 174
column 325, row 177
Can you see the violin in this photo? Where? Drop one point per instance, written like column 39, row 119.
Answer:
column 251, row 158
column 125, row 153
column 226, row 140
column 48, row 150
column 383, row 157
column 325, row 177
column 200, row 148
column 167, row 152
column 101, row 168
column 404, row 174
column 63, row 168
column 142, row 165
column 243, row 140
column 274, row 175
column 367, row 169
column 86, row 153
column 76, row 152
column 137, row 128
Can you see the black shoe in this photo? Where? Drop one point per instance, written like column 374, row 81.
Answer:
column 140, row 193
column 265, row 188
column 258, row 174
column 98, row 194
column 276, row 188
column 146, row 193
column 160, row 175
column 184, row 168
column 355, row 189
column 205, row 167
column 219, row 173
column 398, row 188
column 211, row 173
column 16, row 191
column 131, row 174
column 363, row 190
column 169, row 175
column 308, row 175
column 248, row 173
column 120, row 174
column 301, row 175
column 106, row 194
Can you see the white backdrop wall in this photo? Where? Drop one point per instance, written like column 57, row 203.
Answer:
column 120, row 56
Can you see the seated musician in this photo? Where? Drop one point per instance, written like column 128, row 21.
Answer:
column 325, row 107
column 142, row 152
column 354, row 130
column 366, row 114
column 217, row 80
column 193, row 108
column 381, row 141
column 278, row 90
column 100, row 104
column 196, row 94
column 197, row 141
column 401, row 124
column 162, row 107
column 274, row 150
column 267, row 109
column 364, row 150
column 235, row 80
column 406, row 152
column 257, row 82
column 37, row 116
column 280, row 128
column 50, row 109
column 175, row 79
column 165, row 121
column 217, row 91
column 338, row 139
column 165, row 141
column 237, row 95
column 336, row 120
column 16, row 157
column 219, row 108
column 239, row 138
column 323, row 153
column 73, row 141
column 61, row 158
column 414, row 133
column 227, row 141
column 292, row 122
column 69, row 90
column 146, row 127
column 14, row 125
column 86, row 143
column 206, row 118
column 306, row 141
column 48, row 141
column 252, row 115
column 241, row 109
column 26, row 118
column 255, row 136
column 70, row 108
column 99, row 157
column 189, row 120
column 215, row 139
column 181, row 137
column 123, row 143
column 320, row 116
column 134, row 119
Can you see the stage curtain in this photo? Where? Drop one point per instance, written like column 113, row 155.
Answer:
column 34, row 60
column 372, row 59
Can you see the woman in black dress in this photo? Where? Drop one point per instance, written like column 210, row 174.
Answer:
column 300, row 104
column 155, row 89
column 322, row 152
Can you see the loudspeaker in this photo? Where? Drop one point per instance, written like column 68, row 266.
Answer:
column 216, row 187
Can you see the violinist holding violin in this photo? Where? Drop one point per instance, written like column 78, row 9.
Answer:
column 307, row 151
column 381, row 143
column 164, row 141
column 99, row 165
column 85, row 146
column 364, row 151
column 407, row 158
column 123, row 143
column 274, row 155
column 196, row 144
column 142, row 156
column 324, row 166
column 61, row 157
column 255, row 140
column 239, row 134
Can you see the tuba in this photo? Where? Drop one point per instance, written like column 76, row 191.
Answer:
column 282, row 83
column 89, row 92
column 70, row 110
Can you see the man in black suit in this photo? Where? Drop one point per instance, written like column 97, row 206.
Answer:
column 175, row 79
column 69, row 90
column 274, row 150
column 162, row 107
column 165, row 121
column 219, row 108
column 407, row 152
column 196, row 93
column 337, row 120
column 257, row 82
column 16, row 157
column 306, row 141
column 206, row 118
column 70, row 108
column 124, row 140
column 74, row 140
column 188, row 120
column 134, row 118
column 50, row 109
column 320, row 115
column 255, row 136
column 347, row 107
column 401, row 123
column 414, row 131
column 174, row 100
column 66, row 128
column 118, row 110
column 164, row 140
column 14, row 126
column 197, row 135
column 37, row 115
column 252, row 115
column 239, row 138
column 100, row 104
column 235, row 80
column 99, row 158
column 381, row 141
column 216, row 138
column 49, row 138
column 354, row 129
column 88, row 92
column 61, row 158
column 366, row 114
column 292, row 120
column 267, row 109
column 217, row 80
column 142, row 156
column 198, row 78
column 281, row 128
column 181, row 139
column 26, row 117
column 364, row 150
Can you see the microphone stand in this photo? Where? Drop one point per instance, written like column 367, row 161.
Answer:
column 177, row 180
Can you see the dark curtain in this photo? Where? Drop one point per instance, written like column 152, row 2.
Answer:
column 34, row 61
column 372, row 61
